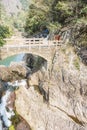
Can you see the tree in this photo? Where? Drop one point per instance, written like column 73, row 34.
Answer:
column 54, row 14
column 37, row 17
column 4, row 33
column 11, row 127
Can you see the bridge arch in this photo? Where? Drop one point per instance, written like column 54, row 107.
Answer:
column 34, row 62
column 46, row 61
column 24, row 52
column 40, row 47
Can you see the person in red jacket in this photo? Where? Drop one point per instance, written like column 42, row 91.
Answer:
column 57, row 37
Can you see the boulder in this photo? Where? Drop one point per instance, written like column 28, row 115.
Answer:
column 23, row 125
column 35, row 78
column 12, row 73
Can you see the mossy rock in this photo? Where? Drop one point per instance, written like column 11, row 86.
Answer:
column 15, row 119
column 11, row 127
column 76, row 64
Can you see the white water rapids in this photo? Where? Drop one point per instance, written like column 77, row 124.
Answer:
column 4, row 114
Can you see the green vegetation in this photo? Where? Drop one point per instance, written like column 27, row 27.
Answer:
column 11, row 127
column 64, row 8
column 4, row 33
column 40, row 16
column 15, row 119
column 76, row 64
column 63, row 50
column 34, row 21
column 51, row 14
column 55, row 14
column 16, row 19
column 5, row 29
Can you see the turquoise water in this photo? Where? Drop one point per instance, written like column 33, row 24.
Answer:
column 15, row 58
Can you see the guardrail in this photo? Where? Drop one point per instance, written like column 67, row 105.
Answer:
column 26, row 42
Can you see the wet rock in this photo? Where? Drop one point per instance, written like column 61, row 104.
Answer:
column 3, row 87
column 11, row 101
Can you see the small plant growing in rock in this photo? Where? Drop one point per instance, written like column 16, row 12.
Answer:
column 15, row 119
column 11, row 127
column 63, row 50
column 76, row 64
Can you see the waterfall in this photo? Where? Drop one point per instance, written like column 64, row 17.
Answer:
column 17, row 83
column 6, row 114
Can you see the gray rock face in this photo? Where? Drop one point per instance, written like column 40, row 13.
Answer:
column 34, row 62
column 13, row 7
column 12, row 73
column 2, row 88
column 66, row 87
column 23, row 126
column 83, row 55
column 57, row 101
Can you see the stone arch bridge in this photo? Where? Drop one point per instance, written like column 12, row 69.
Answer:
column 38, row 46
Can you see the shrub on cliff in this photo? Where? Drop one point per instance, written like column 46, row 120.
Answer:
column 11, row 127
column 4, row 33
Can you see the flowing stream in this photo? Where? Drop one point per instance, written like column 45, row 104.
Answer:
column 8, row 60
column 6, row 112
column 6, row 115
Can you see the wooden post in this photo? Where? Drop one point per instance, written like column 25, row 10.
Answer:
column 39, row 45
column 29, row 45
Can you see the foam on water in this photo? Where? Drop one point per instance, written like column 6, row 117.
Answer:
column 17, row 83
column 6, row 115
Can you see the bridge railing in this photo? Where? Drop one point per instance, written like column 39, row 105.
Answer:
column 26, row 42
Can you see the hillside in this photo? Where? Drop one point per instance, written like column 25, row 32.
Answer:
column 55, row 14
column 13, row 7
column 47, row 89
column 59, row 17
column 13, row 13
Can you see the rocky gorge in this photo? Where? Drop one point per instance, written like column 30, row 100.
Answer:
column 34, row 96
column 54, row 100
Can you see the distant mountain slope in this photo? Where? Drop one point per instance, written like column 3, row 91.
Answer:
column 12, row 6
column 13, row 13
column 15, row 6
